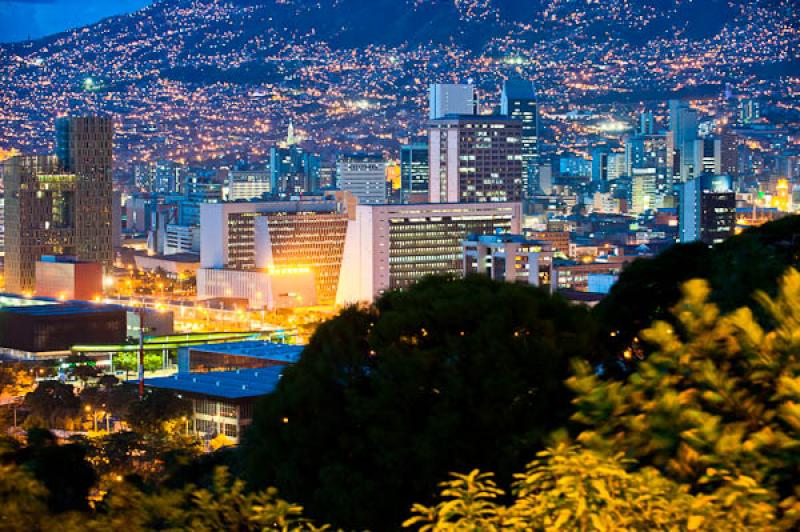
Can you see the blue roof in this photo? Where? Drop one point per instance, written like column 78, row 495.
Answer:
column 267, row 350
column 239, row 384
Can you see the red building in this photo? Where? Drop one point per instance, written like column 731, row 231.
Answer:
column 67, row 278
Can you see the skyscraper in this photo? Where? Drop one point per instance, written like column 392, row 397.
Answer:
column 475, row 159
column 452, row 99
column 647, row 123
column 88, row 143
column 680, row 141
column 707, row 156
column 414, row 169
column 707, row 209
column 60, row 205
column 518, row 101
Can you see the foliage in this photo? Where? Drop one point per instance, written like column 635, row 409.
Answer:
column 150, row 415
column 388, row 399
column 126, row 361
column 223, row 506
column 22, row 500
column 61, row 469
column 716, row 405
column 570, row 488
column 735, row 269
column 54, row 402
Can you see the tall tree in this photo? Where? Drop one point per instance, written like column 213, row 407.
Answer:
column 388, row 399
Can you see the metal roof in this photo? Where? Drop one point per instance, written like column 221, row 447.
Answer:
column 254, row 348
column 239, row 384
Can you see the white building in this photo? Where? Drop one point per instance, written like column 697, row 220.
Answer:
column 452, row 99
column 245, row 185
column 393, row 246
column 364, row 176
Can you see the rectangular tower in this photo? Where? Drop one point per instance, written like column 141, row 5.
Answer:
column 475, row 159
column 518, row 101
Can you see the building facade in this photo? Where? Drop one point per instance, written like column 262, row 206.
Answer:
column 707, row 209
column 364, row 176
column 518, row 101
column 391, row 247
column 475, row 159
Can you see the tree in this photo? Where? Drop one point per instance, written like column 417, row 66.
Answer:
column 735, row 269
column 717, row 402
column 388, row 399
column 158, row 407
column 570, row 488
column 61, row 469
column 22, row 500
column 54, row 402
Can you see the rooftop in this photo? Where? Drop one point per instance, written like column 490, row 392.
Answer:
column 239, row 384
column 42, row 306
column 256, row 349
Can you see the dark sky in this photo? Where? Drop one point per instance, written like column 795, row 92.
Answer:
column 37, row 18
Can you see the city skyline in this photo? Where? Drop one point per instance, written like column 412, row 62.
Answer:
column 509, row 265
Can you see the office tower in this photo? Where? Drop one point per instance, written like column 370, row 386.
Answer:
column 452, row 99
column 646, row 123
column 294, row 171
column 363, row 175
column 707, row 209
column 414, row 169
column 607, row 166
column 680, row 140
column 574, row 166
column 643, row 190
column 248, row 184
column 60, row 205
column 86, row 142
column 475, row 159
column 707, row 156
column 168, row 177
column 729, row 156
column 749, row 111
column 518, row 101
column 393, row 246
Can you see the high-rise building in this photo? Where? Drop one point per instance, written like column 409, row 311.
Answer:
column 518, row 101
column 607, row 166
column 60, row 205
column 647, row 123
column 643, row 190
column 452, row 99
column 707, row 156
column 294, row 171
column 681, row 140
column 475, row 159
column 393, row 246
column 749, row 111
column 88, row 141
column 414, row 169
column 364, row 175
column 707, row 209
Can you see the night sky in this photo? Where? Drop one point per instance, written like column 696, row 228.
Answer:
column 37, row 18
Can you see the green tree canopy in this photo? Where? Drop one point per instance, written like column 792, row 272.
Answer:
column 570, row 488
column 388, row 399
column 716, row 403
column 735, row 269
